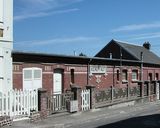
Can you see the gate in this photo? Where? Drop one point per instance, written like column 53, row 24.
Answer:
column 18, row 104
column 157, row 91
column 58, row 102
column 85, row 100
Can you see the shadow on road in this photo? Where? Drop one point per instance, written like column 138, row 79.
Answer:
column 149, row 121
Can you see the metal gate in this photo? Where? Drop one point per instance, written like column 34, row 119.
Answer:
column 157, row 91
column 59, row 102
column 85, row 100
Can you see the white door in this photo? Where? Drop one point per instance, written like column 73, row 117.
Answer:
column 32, row 78
column 57, row 88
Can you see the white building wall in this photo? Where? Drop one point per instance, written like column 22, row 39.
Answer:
column 1, row 10
column 6, row 44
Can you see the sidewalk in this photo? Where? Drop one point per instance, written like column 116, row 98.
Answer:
column 67, row 120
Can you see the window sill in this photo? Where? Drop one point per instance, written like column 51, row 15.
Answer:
column 117, row 82
column 134, row 81
column 1, row 78
column 124, row 81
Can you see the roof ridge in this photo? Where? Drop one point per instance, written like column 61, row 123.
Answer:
column 125, row 42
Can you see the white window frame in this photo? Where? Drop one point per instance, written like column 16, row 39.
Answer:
column 135, row 75
column 27, row 69
column 32, row 69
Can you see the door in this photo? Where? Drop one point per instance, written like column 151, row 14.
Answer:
column 57, row 88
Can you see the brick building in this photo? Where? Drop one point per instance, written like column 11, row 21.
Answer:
column 118, row 64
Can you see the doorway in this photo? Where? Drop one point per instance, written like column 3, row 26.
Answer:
column 57, row 81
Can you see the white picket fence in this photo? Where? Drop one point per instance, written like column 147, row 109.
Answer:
column 85, row 100
column 18, row 103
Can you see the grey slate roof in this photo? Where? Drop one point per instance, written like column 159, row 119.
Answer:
column 135, row 50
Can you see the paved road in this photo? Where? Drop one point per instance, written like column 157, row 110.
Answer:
column 139, row 116
column 147, row 116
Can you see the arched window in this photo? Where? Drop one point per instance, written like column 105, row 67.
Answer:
column 117, row 75
column 124, row 76
column 72, row 76
column 150, row 77
column 157, row 76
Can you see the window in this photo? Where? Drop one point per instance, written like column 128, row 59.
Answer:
column 37, row 74
column 27, row 74
column 1, row 32
column 117, row 75
column 72, row 76
column 134, row 75
column 32, row 78
column 32, row 73
column 157, row 76
column 124, row 76
column 150, row 77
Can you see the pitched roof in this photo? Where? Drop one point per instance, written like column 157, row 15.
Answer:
column 135, row 50
column 33, row 57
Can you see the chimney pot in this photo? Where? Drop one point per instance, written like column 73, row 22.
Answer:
column 147, row 45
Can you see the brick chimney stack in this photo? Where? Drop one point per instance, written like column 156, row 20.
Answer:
column 147, row 45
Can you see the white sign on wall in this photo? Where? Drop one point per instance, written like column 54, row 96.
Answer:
column 98, row 69
column 1, row 10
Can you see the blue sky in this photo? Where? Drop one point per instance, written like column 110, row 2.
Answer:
column 65, row 26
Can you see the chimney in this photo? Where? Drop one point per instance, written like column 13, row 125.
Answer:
column 147, row 45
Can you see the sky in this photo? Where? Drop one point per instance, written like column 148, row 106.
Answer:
column 69, row 26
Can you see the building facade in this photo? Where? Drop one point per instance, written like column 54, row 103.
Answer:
column 108, row 69
column 6, row 44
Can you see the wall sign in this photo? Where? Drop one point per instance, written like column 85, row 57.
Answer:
column 98, row 69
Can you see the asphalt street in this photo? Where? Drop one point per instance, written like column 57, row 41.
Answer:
column 138, row 116
column 133, row 117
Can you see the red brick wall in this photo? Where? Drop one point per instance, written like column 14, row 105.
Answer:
column 47, row 81
column 47, row 74
column 147, row 70
column 81, row 75
column 17, row 76
column 17, row 81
